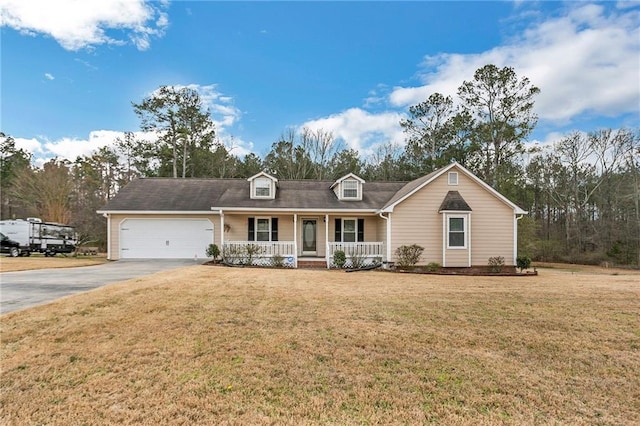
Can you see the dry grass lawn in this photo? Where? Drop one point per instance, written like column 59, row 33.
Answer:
column 215, row 345
column 11, row 264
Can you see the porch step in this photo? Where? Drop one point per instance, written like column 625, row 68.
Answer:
column 312, row 264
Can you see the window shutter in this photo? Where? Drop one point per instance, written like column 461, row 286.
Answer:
column 360, row 230
column 274, row 229
column 252, row 226
column 338, row 235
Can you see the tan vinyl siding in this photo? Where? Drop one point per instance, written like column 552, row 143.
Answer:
column 416, row 220
column 239, row 226
column 116, row 221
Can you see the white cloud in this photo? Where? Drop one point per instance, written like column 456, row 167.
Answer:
column 77, row 24
column 49, row 76
column 32, row 145
column 583, row 62
column 69, row 148
column 223, row 113
column 361, row 130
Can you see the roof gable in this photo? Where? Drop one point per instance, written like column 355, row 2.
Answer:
column 262, row 174
column 414, row 186
column 345, row 177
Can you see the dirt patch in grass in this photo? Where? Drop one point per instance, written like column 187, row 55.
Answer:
column 202, row 345
column 11, row 264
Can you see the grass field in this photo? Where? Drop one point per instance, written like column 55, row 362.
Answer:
column 215, row 345
column 37, row 261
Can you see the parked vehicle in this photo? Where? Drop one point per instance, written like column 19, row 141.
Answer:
column 35, row 236
column 9, row 246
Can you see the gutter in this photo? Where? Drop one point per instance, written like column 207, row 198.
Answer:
column 388, row 242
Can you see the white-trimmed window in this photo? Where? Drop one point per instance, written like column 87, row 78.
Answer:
column 263, row 229
column 453, row 178
column 262, row 188
column 457, row 232
column 350, row 188
column 349, row 230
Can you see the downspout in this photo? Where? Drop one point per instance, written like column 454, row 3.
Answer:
column 515, row 238
column 108, row 235
column 388, row 242
column 444, row 240
column 221, row 230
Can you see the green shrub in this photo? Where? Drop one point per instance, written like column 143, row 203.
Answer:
column 408, row 256
column 523, row 262
column 213, row 251
column 496, row 263
column 433, row 266
column 277, row 261
column 339, row 258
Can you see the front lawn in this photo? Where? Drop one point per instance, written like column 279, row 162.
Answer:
column 216, row 345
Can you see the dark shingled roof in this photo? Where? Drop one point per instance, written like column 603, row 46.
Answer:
column 161, row 194
column 453, row 201
column 165, row 194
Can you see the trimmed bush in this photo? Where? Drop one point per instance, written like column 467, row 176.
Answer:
column 408, row 256
column 339, row 258
column 213, row 251
column 496, row 263
column 523, row 262
column 277, row 261
column 433, row 266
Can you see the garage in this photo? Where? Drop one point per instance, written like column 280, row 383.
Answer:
column 165, row 238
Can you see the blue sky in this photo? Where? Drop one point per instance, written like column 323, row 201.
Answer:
column 69, row 72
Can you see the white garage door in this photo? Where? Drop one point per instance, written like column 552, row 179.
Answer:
column 165, row 238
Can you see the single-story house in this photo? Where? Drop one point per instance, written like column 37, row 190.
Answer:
column 458, row 219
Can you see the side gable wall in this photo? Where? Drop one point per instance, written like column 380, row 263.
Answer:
column 416, row 220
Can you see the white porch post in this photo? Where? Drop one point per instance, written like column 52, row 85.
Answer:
column 326, row 240
column 295, row 240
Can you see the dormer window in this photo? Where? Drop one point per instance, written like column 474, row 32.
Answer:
column 263, row 186
column 348, row 188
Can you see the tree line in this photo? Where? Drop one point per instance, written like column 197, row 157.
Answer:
column 582, row 192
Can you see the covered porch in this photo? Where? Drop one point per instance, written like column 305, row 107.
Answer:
column 273, row 239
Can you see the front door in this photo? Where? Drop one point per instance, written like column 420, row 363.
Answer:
column 309, row 236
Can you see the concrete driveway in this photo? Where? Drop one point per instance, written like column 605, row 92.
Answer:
column 24, row 289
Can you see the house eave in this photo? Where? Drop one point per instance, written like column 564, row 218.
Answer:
column 150, row 212
column 293, row 210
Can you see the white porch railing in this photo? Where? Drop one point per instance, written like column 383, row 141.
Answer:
column 357, row 254
column 260, row 253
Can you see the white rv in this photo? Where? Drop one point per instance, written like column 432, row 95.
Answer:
column 36, row 236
